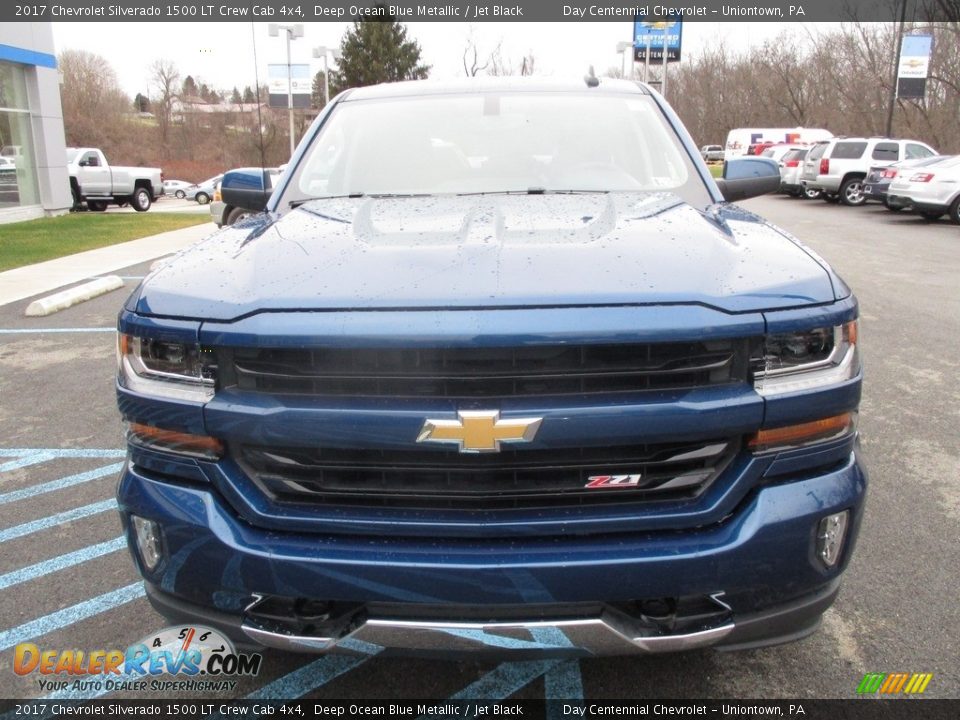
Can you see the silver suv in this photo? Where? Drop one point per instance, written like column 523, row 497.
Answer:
column 837, row 167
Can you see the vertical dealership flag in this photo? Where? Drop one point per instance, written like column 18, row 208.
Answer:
column 914, row 66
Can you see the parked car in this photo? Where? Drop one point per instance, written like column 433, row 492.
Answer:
column 712, row 153
column 97, row 183
column 177, row 188
column 202, row 192
column 932, row 191
column 241, row 193
column 499, row 357
column 791, row 164
column 878, row 180
column 837, row 167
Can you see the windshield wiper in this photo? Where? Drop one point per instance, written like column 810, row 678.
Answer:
column 534, row 191
column 298, row 203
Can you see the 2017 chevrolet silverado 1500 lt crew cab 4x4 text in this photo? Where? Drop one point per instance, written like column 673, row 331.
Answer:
column 500, row 370
column 94, row 181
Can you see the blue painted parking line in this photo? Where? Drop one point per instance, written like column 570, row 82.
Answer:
column 50, row 521
column 506, row 679
column 64, row 452
column 61, row 562
column 307, row 678
column 27, row 331
column 71, row 615
column 53, row 485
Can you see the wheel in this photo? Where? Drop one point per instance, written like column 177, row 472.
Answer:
column 931, row 215
column 141, row 199
column 238, row 214
column 810, row 193
column 851, row 192
column 203, row 198
column 891, row 208
column 180, row 194
column 829, row 197
column 77, row 202
column 97, row 205
column 954, row 210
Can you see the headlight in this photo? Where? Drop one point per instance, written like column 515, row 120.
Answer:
column 165, row 369
column 808, row 359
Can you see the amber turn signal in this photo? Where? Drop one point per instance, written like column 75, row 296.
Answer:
column 794, row 435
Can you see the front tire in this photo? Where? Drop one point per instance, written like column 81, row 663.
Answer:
column 236, row 215
column 141, row 199
column 830, row 198
column 955, row 211
column 810, row 193
column 851, row 192
column 931, row 215
column 97, row 205
column 203, row 198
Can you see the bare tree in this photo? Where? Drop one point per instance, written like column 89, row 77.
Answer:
column 166, row 82
column 471, row 56
column 94, row 107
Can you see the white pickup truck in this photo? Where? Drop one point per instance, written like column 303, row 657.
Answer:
column 94, row 181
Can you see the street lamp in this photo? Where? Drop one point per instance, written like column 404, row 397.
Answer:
column 293, row 32
column 323, row 52
column 622, row 48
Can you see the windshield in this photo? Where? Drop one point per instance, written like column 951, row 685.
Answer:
column 496, row 142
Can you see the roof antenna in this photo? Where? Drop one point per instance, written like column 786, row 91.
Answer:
column 591, row 78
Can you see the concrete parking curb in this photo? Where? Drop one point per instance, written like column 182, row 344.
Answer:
column 67, row 298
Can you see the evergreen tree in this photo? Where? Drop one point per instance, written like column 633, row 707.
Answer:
column 141, row 103
column 235, row 97
column 248, row 95
column 189, row 86
column 376, row 50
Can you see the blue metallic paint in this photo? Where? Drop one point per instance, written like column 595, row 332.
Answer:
column 374, row 273
column 764, row 547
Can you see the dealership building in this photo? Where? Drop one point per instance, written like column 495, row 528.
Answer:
column 33, row 169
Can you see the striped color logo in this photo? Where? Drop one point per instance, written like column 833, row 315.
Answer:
column 894, row 683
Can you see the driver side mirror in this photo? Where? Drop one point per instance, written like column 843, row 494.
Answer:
column 748, row 177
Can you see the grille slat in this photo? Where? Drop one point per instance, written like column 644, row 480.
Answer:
column 489, row 372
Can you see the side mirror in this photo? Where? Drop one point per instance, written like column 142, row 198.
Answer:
column 748, row 177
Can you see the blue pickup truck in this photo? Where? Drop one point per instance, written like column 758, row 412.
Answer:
column 500, row 369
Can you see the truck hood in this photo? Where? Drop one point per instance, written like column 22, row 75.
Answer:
column 489, row 251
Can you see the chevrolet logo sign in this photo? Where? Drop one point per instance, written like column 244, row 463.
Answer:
column 479, row 431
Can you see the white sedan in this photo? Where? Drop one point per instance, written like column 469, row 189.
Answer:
column 177, row 188
column 202, row 192
column 932, row 190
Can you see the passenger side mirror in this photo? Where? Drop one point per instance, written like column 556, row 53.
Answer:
column 748, row 177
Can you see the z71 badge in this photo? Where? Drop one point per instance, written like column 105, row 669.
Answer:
column 604, row 481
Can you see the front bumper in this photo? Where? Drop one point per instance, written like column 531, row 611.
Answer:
column 528, row 595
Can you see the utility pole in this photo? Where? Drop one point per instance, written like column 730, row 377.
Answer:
column 323, row 51
column 896, row 68
column 293, row 32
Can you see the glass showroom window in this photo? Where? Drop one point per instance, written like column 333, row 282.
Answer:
column 18, row 176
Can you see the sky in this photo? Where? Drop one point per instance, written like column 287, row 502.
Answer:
column 222, row 54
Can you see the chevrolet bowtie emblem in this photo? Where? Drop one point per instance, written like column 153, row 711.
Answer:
column 478, row 431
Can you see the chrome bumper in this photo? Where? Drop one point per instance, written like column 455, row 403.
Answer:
column 589, row 636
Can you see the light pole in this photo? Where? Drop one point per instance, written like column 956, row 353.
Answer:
column 622, row 49
column 293, row 32
column 323, row 51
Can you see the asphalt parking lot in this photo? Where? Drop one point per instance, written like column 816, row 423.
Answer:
column 66, row 580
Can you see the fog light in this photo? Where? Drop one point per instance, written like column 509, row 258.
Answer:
column 147, row 534
column 830, row 535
